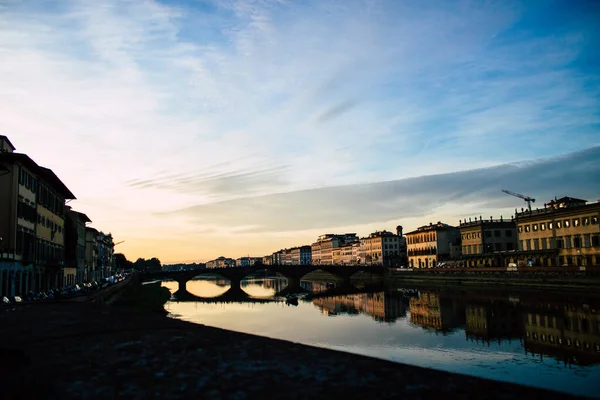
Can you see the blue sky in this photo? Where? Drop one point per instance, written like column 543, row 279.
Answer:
column 155, row 112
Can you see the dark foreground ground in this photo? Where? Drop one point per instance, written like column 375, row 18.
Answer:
column 80, row 350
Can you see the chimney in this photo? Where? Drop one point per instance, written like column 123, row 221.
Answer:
column 399, row 230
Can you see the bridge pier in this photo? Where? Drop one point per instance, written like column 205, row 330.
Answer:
column 182, row 286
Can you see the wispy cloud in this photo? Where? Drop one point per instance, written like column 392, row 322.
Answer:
column 134, row 103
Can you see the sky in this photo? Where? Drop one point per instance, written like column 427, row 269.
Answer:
column 194, row 129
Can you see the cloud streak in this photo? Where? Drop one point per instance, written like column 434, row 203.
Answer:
column 576, row 173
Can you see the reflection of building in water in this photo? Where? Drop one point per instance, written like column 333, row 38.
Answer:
column 429, row 310
column 571, row 334
column 381, row 306
column 276, row 284
column 314, row 286
column 492, row 321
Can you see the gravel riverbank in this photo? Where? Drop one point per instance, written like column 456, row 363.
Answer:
column 81, row 350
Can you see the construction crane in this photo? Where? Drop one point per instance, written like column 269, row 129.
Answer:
column 527, row 199
column 122, row 241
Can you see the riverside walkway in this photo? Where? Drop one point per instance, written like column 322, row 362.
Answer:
column 85, row 350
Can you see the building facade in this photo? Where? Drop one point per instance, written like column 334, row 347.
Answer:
column 381, row 248
column 323, row 249
column 564, row 232
column 32, row 222
column 432, row 244
column 75, row 241
column 487, row 243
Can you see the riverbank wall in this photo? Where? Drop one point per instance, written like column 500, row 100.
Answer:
column 571, row 281
column 88, row 350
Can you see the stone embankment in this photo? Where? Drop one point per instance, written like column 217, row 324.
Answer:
column 131, row 350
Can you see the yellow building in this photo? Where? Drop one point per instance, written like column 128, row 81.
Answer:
column 32, row 222
column 564, row 232
column 432, row 244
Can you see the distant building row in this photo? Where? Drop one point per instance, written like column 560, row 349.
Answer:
column 43, row 242
column 564, row 232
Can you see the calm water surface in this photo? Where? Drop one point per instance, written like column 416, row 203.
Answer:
column 528, row 338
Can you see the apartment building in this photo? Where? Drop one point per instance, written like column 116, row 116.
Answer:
column 381, row 248
column 75, row 240
column 564, row 232
column 300, row 255
column 32, row 221
column 91, row 254
column 323, row 248
column 247, row 261
column 221, row 262
column 487, row 242
column 431, row 244
column 347, row 254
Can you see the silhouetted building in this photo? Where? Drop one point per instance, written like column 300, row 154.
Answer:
column 32, row 222
column 487, row 242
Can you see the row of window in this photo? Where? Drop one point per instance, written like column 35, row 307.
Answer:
column 487, row 248
column 48, row 223
column 45, row 195
column 564, row 341
column 566, row 223
column 566, row 242
column 26, row 211
column 27, row 180
column 31, row 248
column 488, row 234
column 421, row 238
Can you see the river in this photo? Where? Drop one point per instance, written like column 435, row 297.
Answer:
column 534, row 338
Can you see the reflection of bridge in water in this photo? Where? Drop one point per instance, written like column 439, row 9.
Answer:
column 237, row 295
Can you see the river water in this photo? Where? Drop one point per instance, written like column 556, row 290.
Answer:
column 534, row 338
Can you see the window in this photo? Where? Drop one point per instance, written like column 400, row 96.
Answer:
column 594, row 220
column 559, row 243
column 535, row 227
column 520, row 229
column 497, row 246
column 550, row 225
column 568, row 242
column 509, row 246
column 496, row 233
column 577, row 241
column 586, row 221
column 508, row 233
column 575, row 221
column 544, row 243
column 488, row 234
column 567, row 223
column 520, row 245
column 543, row 226
column 558, row 224
column 528, row 244
column 586, row 240
column 595, row 240
column 468, row 236
column 536, row 244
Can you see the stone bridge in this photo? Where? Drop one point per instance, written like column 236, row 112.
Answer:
column 293, row 274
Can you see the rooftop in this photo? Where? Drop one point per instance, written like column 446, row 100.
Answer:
column 439, row 226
